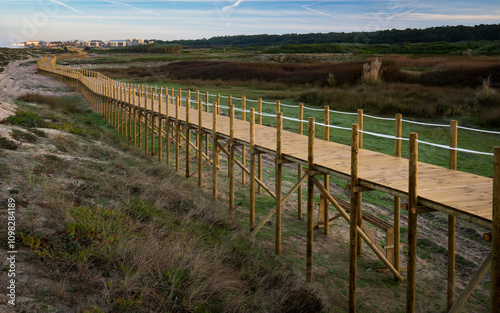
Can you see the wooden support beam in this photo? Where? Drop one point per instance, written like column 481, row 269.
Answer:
column 360, row 231
column 243, row 150
column 261, row 184
column 310, row 202
column 160, row 125
column 167, row 126
column 299, row 166
column 252, row 169
column 472, row 284
column 326, row 180
column 397, row 200
column 412, row 224
column 353, row 235
column 452, row 221
column 188, row 135
column 200, row 142
column 215, row 152
column 259, row 157
column 146, row 144
column 283, row 201
column 231, row 159
column 177, row 135
column 278, row 179
column 495, row 246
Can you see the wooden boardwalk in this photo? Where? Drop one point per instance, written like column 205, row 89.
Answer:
column 426, row 187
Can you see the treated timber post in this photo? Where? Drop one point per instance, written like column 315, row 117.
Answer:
column 200, row 143
column 326, row 183
column 215, row 151
column 188, row 135
column 231, row 160
column 397, row 200
column 299, row 166
column 353, row 236
column 252, row 169
column 206, row 110
column 135, row 118
column 160, row 125
column 129, row 134
column 153, row 120
column 310, row 201
column 278, row 179
column 452, row 221
column 495, row 249
column 177, row 134
column 218, row 103
column 412, row 223
column 360, row 125
column 140, row 119
column 259, row 158
column 167, row 124
column 243, row 150
column 146, row 123
column 360, row 141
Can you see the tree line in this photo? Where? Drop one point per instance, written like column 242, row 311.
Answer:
column 393, row 36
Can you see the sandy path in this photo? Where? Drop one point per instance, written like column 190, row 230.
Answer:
column 20, row 77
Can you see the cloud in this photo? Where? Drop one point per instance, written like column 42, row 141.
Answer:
column 317, row 11
column 133, row 7
column 66, row 6
column 234, row 5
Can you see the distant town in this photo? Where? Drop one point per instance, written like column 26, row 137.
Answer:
column 82, row 43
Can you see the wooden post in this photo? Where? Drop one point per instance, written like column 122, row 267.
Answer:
column 397, row 201
column 360, row 125
column 310, row 201
column 252, row 169
column 326, row 182
column 167, row 124
column 452, row 221
column 495, row 246
column 153, row 119
column 218, row 103
column 243, row 148
column 177, row 134
column 412, row 224
column 259, row 158
column 353, row 236
column 200, row 143
column 188, row 135
column 140, row 120
column 135, row 118
column 146, row 124
column 206, row 110
column 160, row 125
column 299, row 166
column 278, row 179
column 215, row 151
column 231, row 160
column 130, row 107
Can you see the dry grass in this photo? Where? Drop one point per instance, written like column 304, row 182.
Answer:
column 371, row 71
column 113, row 231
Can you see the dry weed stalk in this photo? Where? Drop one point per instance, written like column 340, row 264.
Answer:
column 371, row 71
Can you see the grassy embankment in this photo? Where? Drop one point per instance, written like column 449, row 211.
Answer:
column 108, row 229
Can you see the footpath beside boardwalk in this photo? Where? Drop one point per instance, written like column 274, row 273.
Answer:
column 157, row 119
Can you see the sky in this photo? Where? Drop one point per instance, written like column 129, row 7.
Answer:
column 61, row 20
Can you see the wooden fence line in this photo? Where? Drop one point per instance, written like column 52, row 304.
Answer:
column 122, row 105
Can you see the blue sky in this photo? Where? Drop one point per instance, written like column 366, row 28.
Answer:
column 52, row 20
